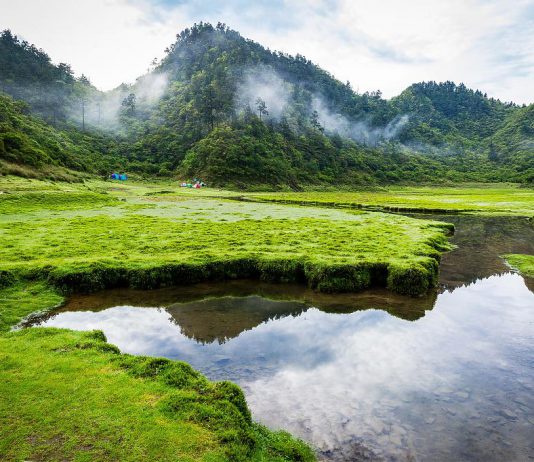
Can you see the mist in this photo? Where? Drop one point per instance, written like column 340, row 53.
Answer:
column 104, row 110
column 151, row 87
column 262, row 82
column 279, row 96
column 360, row 131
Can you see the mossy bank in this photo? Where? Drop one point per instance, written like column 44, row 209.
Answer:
column 72, row 396
column 523, row 263
column 97, row 236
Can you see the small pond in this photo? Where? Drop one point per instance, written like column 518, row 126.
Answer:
column 370, row 376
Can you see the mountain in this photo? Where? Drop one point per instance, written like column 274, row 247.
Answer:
column 31, row 147
column 445, row 114
column 27, row 73
column 234, row 113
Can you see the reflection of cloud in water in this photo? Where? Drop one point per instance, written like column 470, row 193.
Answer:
column 384, row 369
column 134, row 330
column 154, row 332
column 434, row 387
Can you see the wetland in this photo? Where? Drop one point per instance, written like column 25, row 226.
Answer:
column 373, row 375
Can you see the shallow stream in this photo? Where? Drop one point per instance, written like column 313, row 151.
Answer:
column 370, row 376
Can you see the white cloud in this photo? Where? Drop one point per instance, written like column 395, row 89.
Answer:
column 108, row 40
column 383, row 45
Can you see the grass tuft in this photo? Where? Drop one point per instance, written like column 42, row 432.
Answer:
column 524, row 263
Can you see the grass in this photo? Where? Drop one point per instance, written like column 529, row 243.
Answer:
column 524, row 263
column 74, row 397
column 24, row 298
column 91, row 238
column 53, row 200
column 483, row 199
column 71, row 396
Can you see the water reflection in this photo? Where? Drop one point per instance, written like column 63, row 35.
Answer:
column 230, row 307
column 455, row 385
column 341, row 372
column 481, row 241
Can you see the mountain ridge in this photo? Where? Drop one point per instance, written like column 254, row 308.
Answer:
column 224, row 108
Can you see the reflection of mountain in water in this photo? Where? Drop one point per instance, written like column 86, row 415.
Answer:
column 218, row 311
column 220, row 319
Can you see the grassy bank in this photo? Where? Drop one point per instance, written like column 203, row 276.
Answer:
column 77, row 398
column 480, row 199
column 102, row 235
column 23, row 298
column 74, row 397
column 524, row 263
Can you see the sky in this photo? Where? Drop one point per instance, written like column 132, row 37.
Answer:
column 380, row 44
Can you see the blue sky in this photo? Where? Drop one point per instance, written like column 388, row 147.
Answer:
column 383, row 44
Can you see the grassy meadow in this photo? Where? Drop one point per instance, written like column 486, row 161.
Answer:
column 100, row 235
column 74, row 397
column 506, row 199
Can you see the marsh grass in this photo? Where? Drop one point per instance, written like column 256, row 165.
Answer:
column 501, row 200
column 97, row 235
column 20, row 299
column 523, row 263
column 23, row 202
column 156, row 244
column 72, row 396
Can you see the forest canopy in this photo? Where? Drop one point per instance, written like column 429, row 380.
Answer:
column 226, row 109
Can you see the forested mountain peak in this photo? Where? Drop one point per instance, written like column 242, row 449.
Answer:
column 206, row 47
column 225, row 108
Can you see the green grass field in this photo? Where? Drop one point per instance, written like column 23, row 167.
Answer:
column 480, row 199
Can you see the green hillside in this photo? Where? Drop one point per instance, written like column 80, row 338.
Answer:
column 513, row 144
column 227, row 110
column 43, row 150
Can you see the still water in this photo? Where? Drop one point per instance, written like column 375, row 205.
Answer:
column 369, row 376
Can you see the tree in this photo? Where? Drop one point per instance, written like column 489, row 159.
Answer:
column 262, row 107
column 314, row 121
column 128, row 105
column 84, row 80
